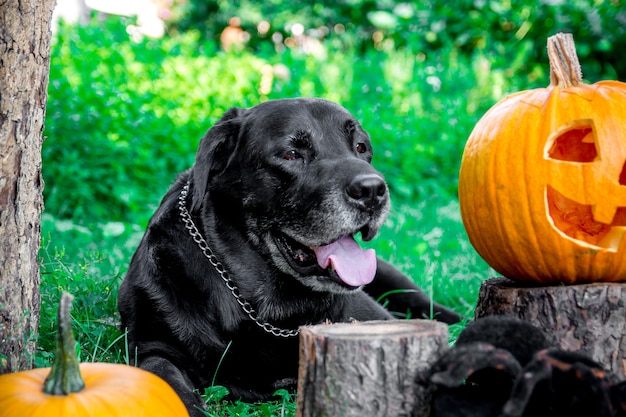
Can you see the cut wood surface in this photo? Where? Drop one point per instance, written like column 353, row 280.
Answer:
column 590, row 318
column 367, row 369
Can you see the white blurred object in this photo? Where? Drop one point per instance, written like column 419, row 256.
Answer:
column 70, row 11
column 147, row 12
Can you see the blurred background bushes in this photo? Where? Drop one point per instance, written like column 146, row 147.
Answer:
column 125, row 113
column 426, row 26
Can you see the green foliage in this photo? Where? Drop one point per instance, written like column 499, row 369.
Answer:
column 124, row 113
column 427, row 26
column 123, row 118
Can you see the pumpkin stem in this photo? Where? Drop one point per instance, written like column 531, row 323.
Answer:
column 564, row 65
column 64, row 377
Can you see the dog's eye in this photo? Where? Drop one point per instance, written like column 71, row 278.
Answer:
column 361, row 147
column 291, row 155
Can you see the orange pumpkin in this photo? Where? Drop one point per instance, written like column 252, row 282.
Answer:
column 88, row 389
column 542, row 185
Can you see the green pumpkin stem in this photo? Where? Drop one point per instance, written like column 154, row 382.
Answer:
column 64, row 377
column 564, row 65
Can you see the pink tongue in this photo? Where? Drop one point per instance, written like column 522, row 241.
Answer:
column 352, row 264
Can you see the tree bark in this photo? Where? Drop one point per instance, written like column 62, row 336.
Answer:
column 24, row 69
column 367, row 369
column 590, row 318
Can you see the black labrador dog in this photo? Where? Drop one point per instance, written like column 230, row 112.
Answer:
column 255, row 240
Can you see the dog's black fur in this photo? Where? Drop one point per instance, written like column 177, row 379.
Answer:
column 267, row 183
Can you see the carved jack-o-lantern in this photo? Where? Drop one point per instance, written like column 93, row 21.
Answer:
column 542, row 185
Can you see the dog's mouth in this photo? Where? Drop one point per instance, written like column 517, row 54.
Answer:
column 342, row 260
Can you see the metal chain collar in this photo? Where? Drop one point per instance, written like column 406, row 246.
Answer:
column 221, row 270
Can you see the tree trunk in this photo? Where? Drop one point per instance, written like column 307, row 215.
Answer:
column 590, row 318
column 367, row 369
column 24, row 68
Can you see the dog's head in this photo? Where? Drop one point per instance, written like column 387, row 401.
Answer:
column 296, row 174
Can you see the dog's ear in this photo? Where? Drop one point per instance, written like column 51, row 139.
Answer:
column 219, row 141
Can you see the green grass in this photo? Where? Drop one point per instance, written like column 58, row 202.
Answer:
column 426, row 241
column 119, row 130
column 217, row 407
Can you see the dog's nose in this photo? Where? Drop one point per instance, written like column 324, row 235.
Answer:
column 368, row 191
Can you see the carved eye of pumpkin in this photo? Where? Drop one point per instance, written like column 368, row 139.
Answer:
column 576, row 144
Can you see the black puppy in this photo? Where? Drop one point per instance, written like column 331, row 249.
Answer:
column 255, row 240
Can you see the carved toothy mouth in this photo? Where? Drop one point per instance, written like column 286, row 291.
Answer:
column 576, row 221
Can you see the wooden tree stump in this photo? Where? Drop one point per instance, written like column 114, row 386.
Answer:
column 367, row 368
column 590, row 318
